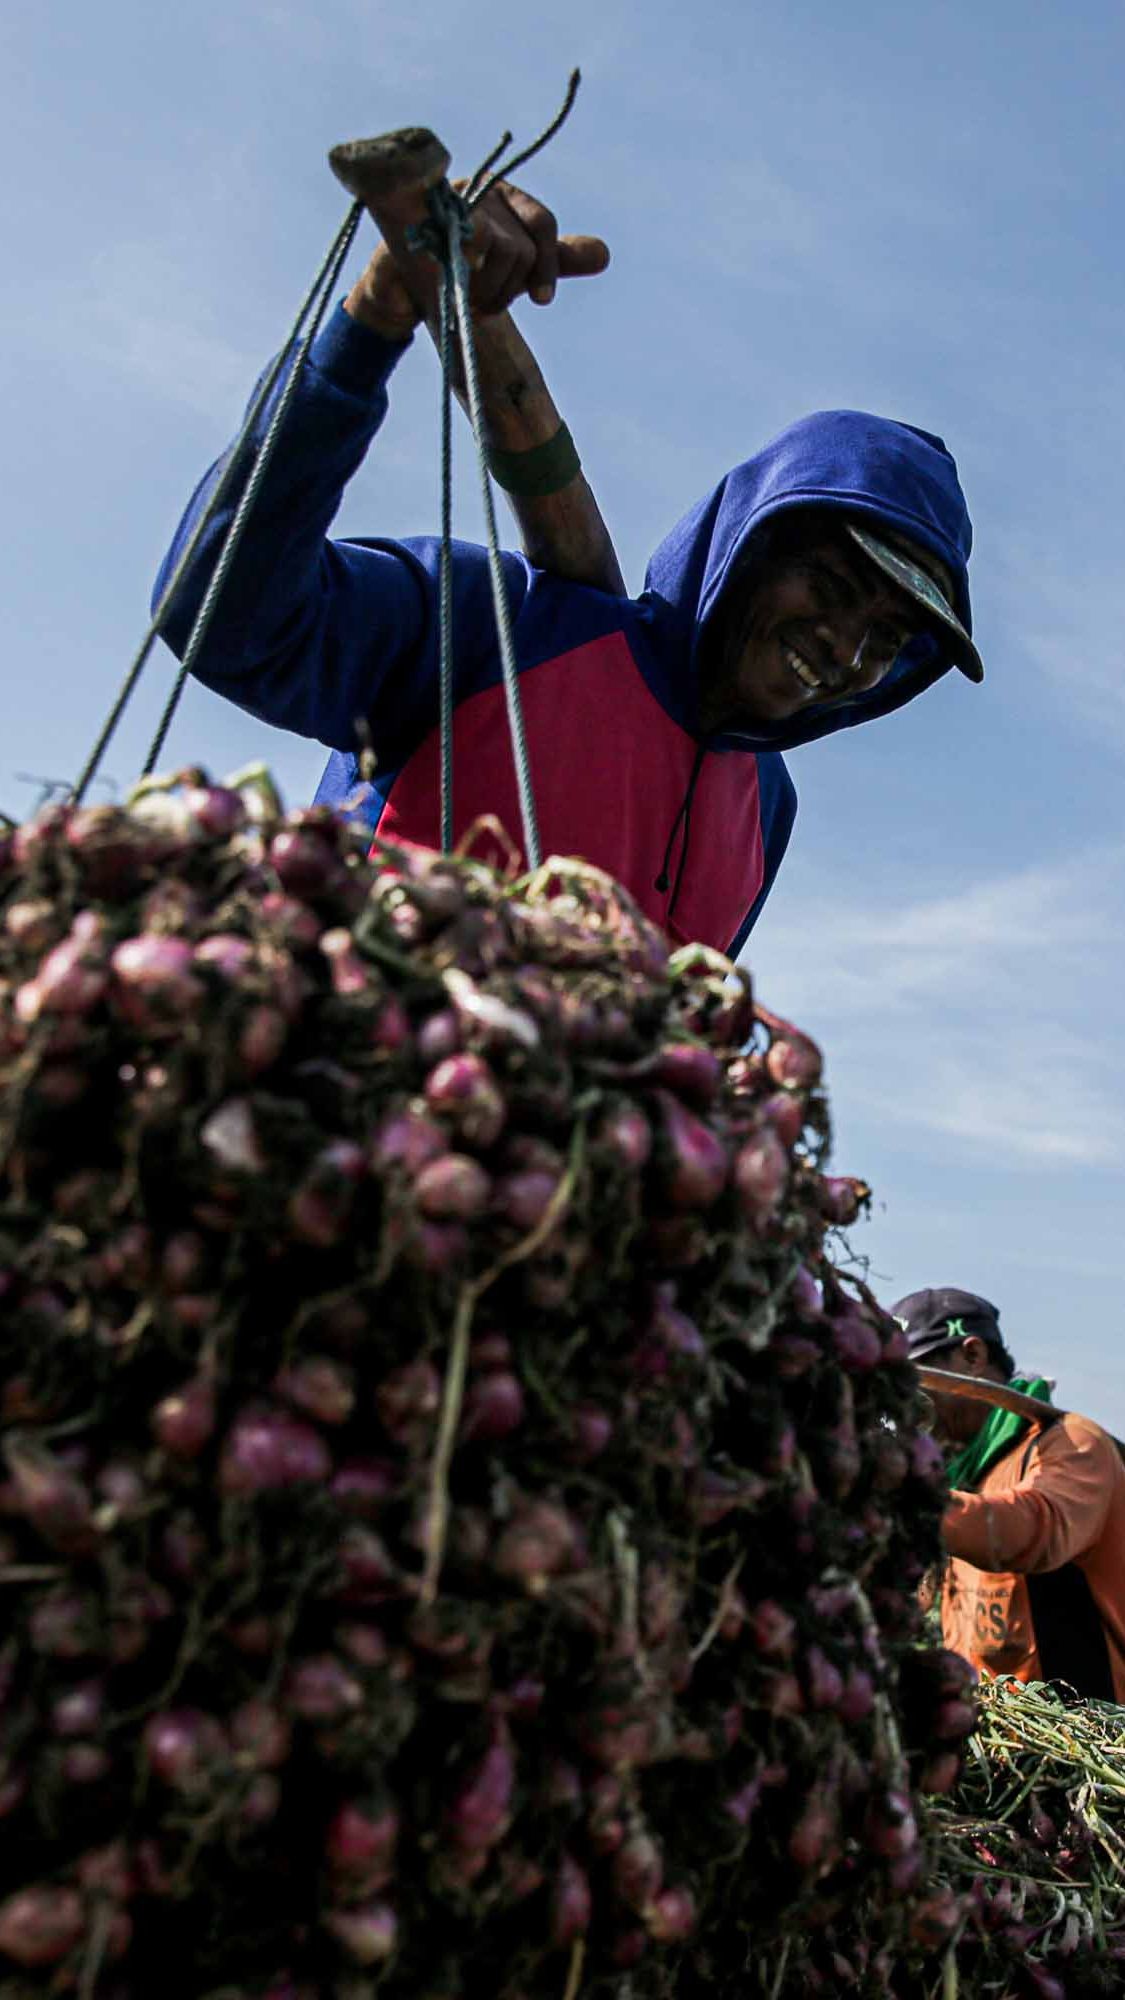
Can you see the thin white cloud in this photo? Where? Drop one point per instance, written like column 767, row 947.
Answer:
column 966, row 1018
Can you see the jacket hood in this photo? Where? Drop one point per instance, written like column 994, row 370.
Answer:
column 882, row 472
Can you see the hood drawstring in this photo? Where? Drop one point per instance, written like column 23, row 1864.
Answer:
column 684, row 814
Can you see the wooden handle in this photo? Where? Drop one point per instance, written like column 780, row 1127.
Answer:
column 391, row 175
column 939, row 1381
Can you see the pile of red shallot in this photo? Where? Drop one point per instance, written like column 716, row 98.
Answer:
column 459, row 1532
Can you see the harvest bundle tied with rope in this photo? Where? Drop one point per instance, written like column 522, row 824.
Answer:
column 460, row 1527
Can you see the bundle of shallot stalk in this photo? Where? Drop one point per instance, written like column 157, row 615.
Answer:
column 459, row 1533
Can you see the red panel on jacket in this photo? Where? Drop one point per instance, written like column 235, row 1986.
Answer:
column 610, row 770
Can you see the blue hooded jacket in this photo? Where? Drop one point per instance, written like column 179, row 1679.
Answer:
column 319, row 636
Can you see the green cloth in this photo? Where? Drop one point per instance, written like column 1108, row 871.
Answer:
column 996, row 1436
column 543, row 469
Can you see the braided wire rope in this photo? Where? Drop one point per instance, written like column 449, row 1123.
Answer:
column 444, row 236
column 486, row 166
column 449, row 228
column 202, row 622
column 484, row 179
column 325, row 277
column 445, row 571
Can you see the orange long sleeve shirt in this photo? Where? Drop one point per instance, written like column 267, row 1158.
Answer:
column 1035, row 1583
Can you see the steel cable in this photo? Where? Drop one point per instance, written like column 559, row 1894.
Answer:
column 324, row 279
column 450, row 227
column 233, row 537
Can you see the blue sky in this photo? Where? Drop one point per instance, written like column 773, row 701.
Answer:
column 916, row 211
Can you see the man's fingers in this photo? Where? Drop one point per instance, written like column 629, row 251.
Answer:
column 582, row 256
column 543, row 230
column 501, row 277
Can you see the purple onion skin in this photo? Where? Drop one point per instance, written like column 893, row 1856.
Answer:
column 626, row 1133
column 320, row 1689
column 227, row 954
column 927, row 1462
column 589, row 1433
column 824, row 1680
column 184, row 1422
column 50, row 1498
column 320, row 1209
column 266, row 1450
column 761, row 1173
column 182, row 1746
column 856, row 1342
column 523, row 1198
column 455, row 1188
column 690, row 1069
column 743, row 1804
column 367, row 1933
column 365, row 1644
column 858, row 1697
column 320, row 1387
column 61, row 1625
column 79, row 1711
column 953, row 1721
column 408, row 1399
column 793, row 1060
column 42, row 1925
column 464, row 1090
column 493, row 1408
column 812, row 1842
column 773, row 1630
column 360, row 1843
column 366, row 1565
column 438, row 1247
column 940, row 1773
column 786, row 1115
column 571, row 1902
column 638, row 1871
column 672, row 1916
column 363, row 1487
column 306, row 865
column 154, row 983
column 890, row 1826
column 406, row 1140
column 539, row 1542
column 438, row 1037
column 842, row 1198
column 261, row 1734
column 695, row 1165
column 480, row 1812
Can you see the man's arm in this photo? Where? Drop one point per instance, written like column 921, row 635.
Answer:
column 562, row 532
column 311, row 634
column 1056, row 1513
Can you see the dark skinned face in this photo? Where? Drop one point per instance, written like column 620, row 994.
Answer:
column 956, row 1419
column 817, row 622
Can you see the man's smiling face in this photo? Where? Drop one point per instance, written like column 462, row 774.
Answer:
column 816, row 622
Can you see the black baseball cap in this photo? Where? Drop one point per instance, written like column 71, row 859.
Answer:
column 943, row 1315
column 928, row 581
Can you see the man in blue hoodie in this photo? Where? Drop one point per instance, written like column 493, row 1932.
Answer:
column 821, row 584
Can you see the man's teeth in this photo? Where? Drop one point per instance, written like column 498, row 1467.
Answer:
column 803, row 671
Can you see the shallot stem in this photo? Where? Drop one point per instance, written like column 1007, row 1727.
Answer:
column 452, row 1398
column 711, row 1634
column 782, row 1967
column 453, row 1391
column 574, row 1970
column 625, row 1557
column 93, row 1957
column 884, row 1712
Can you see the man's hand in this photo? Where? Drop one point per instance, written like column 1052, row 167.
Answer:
column 515, row 248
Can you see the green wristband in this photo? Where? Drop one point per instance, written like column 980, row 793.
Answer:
column 545, row 469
